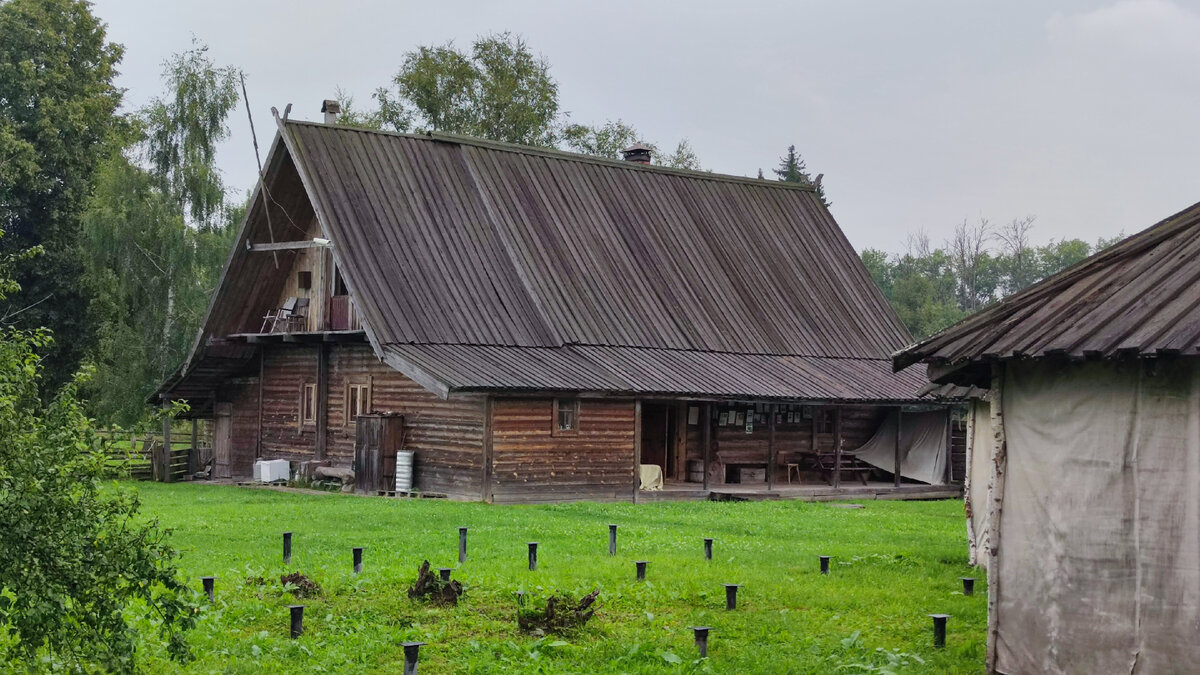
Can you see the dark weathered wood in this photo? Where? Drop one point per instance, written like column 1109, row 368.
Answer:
column 706, row 442
column 486, row 488
column 896, row 465
column 259, row 425
column 322, row 400
column 772, row 459
column 193, row 452
column 637, row 450
column 165, row 457
column 837, row 446
column 287, row 245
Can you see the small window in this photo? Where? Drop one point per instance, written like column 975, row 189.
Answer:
column 566, row 416
column 824, row 421
column 304, row 281
column 358, row 401
column 308, row 404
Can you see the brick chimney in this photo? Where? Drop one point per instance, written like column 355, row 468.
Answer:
column 637, row 153
column 331, row 108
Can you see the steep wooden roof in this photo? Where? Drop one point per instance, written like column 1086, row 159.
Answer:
column 484, row 266
column 457, row 241
column 1140, row 297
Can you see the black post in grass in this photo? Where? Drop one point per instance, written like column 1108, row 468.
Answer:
column 297, row 620
column 641, row 569
column 939, row 629
column 411, row 650
column 520, row 598
column 462, row 545
column 708, row 548
column 532, row 555
column 208, row 587
column 701, row 633
column 287, row 548
column 358, row 559
column 731, row 595
column 968, row 585
column 444, row 572
column 824, row 564
column 612, row 539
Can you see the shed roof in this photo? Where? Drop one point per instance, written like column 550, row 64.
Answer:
column 1140, row 297
column 486, row 266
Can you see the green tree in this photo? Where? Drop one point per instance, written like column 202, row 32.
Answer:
column 610, row 138
column 159, row 236
column 57, row 112
column 499, row 90
column 791, row 169
column 77, row 562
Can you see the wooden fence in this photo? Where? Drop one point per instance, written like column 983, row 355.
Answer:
column 141, row 457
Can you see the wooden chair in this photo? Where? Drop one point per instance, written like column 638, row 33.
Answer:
column 293, row 315
column 793, row 466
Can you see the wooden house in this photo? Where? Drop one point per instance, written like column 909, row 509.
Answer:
column 1084, row 488
column 549, row 326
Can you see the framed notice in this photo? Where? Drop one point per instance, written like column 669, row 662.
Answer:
column 693, row 415
column 739, row 420
column 724, row 419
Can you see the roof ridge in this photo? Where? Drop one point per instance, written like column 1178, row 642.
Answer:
column 565, row 155
column 680, row 350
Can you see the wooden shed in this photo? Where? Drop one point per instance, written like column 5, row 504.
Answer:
column 551, row 326
column 1084, row 492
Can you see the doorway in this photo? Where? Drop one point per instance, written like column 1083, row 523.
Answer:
column 222, row 442
column 659, row 436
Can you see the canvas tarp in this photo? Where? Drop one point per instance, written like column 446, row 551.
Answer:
column 1098, row 563
column 975, row 494
column 922, row 446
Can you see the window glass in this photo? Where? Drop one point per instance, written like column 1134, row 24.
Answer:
column 566, row 414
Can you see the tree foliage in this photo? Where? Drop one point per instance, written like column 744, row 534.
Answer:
column 932, row 288
column 57, row 113
column 75, row 558
column 183, row 130
column 792, row 169
column 159, row 235
column 610, row 138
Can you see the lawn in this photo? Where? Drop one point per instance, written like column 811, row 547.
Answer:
column 893, row 564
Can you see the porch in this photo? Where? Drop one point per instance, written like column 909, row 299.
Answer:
column 808, row 492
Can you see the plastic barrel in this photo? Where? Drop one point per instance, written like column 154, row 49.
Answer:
column 404, row 471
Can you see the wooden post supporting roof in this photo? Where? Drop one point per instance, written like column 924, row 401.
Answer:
column 194, row 453
column 899, row 427
column 706, row 441
column 485, row 491
column 637, row 449
column 771, row 449
column 837, row 447
column 165, row 454
column 322, row 399
column 949, row 446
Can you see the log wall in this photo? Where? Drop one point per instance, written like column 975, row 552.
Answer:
column 531, row 463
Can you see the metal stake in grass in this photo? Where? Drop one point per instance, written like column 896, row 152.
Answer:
column 208, row 587
column 708, row 548
column 287, row 548
column 297, row 620
column 701, row 633
column 939, row 629
column 731, row 595
column 462, row 545
column 532, row 555
column 968, row 585
column 410, row 656
column 520, row 598
column 444, row 572
column 357, row 559
column 824, row 564
column 612, row 539
column 641, row 569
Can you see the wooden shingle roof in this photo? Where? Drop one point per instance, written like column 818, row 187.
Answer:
column 1140, row 297
column 490, row 266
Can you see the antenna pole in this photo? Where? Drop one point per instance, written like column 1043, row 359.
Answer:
column 262, row 186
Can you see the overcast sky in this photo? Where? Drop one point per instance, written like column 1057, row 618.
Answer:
column 920, row 114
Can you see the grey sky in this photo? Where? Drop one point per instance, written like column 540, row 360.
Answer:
column 920, row 114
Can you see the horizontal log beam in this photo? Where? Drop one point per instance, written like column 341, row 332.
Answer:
column 288, row 245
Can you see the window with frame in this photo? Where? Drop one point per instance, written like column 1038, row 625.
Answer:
column 824, row 421
column 566, row 416
column 308, row 404
column 358, row 401
column 304, row 280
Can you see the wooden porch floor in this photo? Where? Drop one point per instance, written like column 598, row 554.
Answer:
column 812, row 492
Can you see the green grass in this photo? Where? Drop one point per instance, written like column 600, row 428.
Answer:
column 894, row 563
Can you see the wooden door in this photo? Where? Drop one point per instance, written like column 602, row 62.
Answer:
column 222, row 443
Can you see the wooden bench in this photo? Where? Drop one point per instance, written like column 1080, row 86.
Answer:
column 826, row 462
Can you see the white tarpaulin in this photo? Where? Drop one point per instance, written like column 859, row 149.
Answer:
column 922, row 446
column 1098, row 559
column 979, row 458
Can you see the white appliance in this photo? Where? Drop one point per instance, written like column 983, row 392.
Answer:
column 272, row 470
